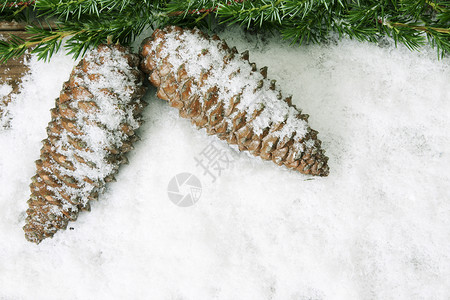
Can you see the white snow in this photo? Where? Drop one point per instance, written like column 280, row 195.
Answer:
column 5, row 89
column 377, row 227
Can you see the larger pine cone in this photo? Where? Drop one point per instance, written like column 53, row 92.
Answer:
column 92, row 127
column 224, row 93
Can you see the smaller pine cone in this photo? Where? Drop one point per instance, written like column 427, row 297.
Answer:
column 92, row 128
column 219, row 90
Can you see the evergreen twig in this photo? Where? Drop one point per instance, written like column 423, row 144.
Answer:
column 86, row 23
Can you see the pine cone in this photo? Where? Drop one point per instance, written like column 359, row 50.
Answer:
column 93, row 125
column 224, row 93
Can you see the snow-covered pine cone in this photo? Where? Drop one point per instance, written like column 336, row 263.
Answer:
column 221, row 91
column 93, row 126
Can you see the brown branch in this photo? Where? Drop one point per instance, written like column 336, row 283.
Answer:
column 422, row 28
column 435, row 6
column 21, row 26
column 18, row 4
column 418, row 28
column 193, row 11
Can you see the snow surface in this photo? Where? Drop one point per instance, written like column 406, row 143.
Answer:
column 377, row 227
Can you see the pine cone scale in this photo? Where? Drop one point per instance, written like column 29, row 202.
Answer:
column 93, row 125
column 189, row 69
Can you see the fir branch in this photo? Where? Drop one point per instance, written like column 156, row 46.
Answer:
column 305, row 21
column 121, row 24
column 15, row 10
column 251, row 12
column 82, row 35
column 410, row 22
column 419, row 28
column 16, row 4
column 45, row 43
column 435, row 6
column 79, row 8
